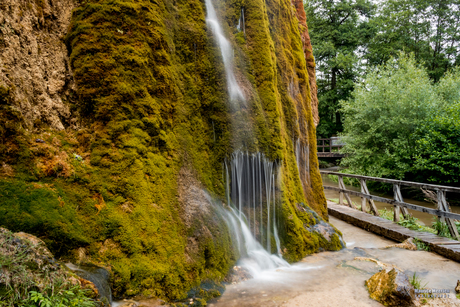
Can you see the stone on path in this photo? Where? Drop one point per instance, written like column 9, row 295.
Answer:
column 391, row 287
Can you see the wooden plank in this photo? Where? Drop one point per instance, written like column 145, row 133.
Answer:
column 400, row 182
column 330, row 155
column 402, row 204
column 452, row 246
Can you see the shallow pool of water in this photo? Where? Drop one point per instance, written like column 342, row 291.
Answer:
column 336, row 279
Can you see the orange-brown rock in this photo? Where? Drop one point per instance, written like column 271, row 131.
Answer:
column 34, row 60
column 391, row 287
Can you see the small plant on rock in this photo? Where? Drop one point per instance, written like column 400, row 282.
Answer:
column 417, row 281
column 421, row 245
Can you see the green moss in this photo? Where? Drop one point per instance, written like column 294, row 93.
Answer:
column 153, row 101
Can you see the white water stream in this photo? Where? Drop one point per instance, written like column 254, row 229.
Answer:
column 251, row 181
column 254, row 258
column 226, row 49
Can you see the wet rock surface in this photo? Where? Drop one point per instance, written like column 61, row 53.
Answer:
column 391, row 287
column 325, row 230
column 140, row 302
column 237, row 274
column 95, row 277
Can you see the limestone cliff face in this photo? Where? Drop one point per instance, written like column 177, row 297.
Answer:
column 34, row 61
column 130, row 186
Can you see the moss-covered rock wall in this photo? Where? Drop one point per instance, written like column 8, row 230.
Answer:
column 124, row 187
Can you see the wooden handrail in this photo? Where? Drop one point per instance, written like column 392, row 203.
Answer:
column 400, row 182
column 402, row 204
column 442, row 211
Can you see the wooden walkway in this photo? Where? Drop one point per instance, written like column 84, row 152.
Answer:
column 443, row 246
column 325, row 148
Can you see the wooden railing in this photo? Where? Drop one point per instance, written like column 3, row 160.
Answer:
column 326, row 147
column 442, row 211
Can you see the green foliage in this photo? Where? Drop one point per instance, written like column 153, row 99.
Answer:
column 30, row 278
column 338, row 29
column 417, row 282
column 441, row 228
column 421, row 245
column 398, row 125
column 351, row 37
column 382, row 117
column 429, row 29
column 413, row 223
column 438, row 145
column 387, row 214
column 74, row 297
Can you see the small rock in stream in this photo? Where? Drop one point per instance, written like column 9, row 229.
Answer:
column 391, row 287
column 237, row 274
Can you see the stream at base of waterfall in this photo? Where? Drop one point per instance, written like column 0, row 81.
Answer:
column 337, row 279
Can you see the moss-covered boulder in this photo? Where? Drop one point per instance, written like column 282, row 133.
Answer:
column 391, row 287
column 32, row 276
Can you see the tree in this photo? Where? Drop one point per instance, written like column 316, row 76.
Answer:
column 339, row 32
column 429, row 29
column 437, row 157
column 382, row 118
column 399, row 124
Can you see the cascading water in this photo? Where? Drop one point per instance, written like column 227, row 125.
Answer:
column 251, row 188
column 254, row 257
column 302, row 154
column 241, row 25
column 252, row 181
column 234, row 90
column 253, row 193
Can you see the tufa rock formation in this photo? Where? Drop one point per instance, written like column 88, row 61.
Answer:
column 34, row 60
column 115, row 123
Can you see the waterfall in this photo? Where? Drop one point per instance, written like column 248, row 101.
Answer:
column 254, row 257
column 234, row 90
column 253, row 194
column 241, row 26
column 251, row 181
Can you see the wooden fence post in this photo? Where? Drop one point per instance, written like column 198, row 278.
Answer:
column 443, row 206
column 396, row 207
column 398, row 197
column 340, row 193
column 342, row 186
column 365, row 190
column 362, row 182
